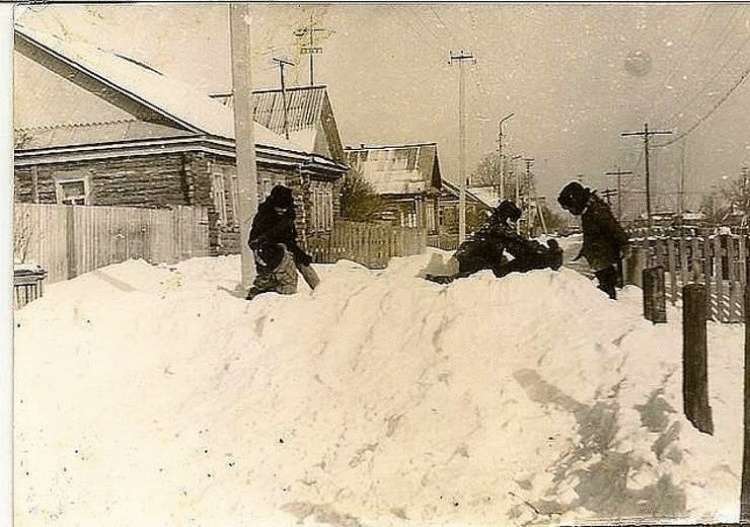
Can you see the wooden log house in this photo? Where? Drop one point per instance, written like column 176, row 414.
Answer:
column 101, row 128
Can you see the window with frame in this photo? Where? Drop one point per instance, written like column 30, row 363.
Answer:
column 329, row 208
column 72, row 191
column 412, row 219
column 220, row 200
column 322, row 208
column 430, row 216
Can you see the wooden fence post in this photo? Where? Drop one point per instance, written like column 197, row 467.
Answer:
column 654, row 295
column 683, row 254
column 719, row 273
column 694, row 358
column 745, row 492
column 671, row 265
column 708, row 273
column 634, row 266
column 734, row 286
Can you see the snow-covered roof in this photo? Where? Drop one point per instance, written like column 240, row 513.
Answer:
column 95, row 133
column 486, row 195
column 401, row 169
column 470, row 195
column 308, row 116
column 167, row 96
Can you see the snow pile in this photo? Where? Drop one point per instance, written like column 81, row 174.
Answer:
column 152, row 396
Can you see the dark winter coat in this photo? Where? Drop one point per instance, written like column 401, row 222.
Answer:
column 487, row 247
column 603, row 237
column 269, row 227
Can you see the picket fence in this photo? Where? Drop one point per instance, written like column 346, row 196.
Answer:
column 718, row 261
column 71, row 240
column 444, row 241
column 369, row 244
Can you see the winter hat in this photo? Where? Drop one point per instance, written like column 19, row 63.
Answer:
column 574, row 196
column 507, row 210
column 281, row 197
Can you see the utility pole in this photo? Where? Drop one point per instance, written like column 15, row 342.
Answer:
column 282, row 63
column 461, row 58
column 529, row 161
column 681, row 200
column 513, row 167
column 501, row 193
column 745, row 197
column 311, row 49
column 646, row 134
column 608, row 193
column 244, row 131
column 619, row 173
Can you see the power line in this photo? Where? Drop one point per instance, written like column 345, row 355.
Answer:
column 710, row 112
column 707, row 83
column 707, row 59
column 428, row 29
column 696, row 29
column 646, row 134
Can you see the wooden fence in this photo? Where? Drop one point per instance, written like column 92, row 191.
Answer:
column 719, row 262
column 71, row 240
column 369, row 244
column 444, row 241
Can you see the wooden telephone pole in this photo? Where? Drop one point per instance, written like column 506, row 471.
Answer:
column 619, row 173
column 646, row 134
column 501, row 190
column 527, row 198
column 460, row 58
column 608, row 193
column 244, row 131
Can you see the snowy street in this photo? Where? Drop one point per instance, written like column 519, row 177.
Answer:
column 155, row 396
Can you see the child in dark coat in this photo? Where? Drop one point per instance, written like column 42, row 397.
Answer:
column 604, row 240
column 486, row 249
column 273, row 240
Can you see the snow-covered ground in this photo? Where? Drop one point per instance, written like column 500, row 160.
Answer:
column 159, row 397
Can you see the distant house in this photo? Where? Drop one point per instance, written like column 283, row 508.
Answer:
column 309, row 117
column 406, row 176
column 100, row 128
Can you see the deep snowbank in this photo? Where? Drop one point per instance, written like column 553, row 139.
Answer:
column 146, row 396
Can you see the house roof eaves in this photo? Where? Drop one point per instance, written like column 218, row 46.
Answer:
column 220, row 146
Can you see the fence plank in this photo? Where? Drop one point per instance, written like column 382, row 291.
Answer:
column 697, row 272
column 712, row 306
column 70, row 240
column 684, row 268
column 743, row 259
column 719, row 274
column 743, row 274
column 733, row 304
column 672, row 269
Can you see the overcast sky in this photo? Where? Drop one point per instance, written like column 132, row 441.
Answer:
column 575, row 76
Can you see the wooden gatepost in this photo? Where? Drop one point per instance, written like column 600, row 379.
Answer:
column 745, row 486
column 654, row 295
column 695, row 358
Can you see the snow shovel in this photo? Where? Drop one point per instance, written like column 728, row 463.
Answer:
column 309, row 274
